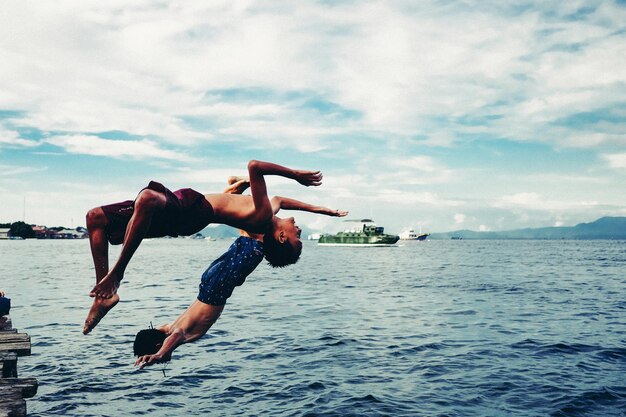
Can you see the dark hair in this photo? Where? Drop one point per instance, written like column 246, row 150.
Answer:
column 279, row 254
column 147, row 340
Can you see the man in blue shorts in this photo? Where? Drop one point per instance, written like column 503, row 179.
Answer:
column 218, row 282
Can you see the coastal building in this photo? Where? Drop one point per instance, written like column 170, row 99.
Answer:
column 41, row 232
column 68, row 234
column 4, row 233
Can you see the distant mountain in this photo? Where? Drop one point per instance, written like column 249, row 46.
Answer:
column 603, row 228
column 226, row 232
column 220, row 232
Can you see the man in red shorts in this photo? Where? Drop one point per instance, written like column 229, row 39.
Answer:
column 159, row 212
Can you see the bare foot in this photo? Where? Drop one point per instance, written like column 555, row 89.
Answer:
column 107, row 287
column 237, row 185
column 99, row 309
column 234, row 179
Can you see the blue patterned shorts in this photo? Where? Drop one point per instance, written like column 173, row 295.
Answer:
column 230, row 270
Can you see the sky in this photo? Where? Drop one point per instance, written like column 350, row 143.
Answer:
column 436, row 115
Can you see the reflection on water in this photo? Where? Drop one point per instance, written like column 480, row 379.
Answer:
column 465, row 328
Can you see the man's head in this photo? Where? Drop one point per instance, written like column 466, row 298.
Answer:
column 148, row 342
column 282, row 244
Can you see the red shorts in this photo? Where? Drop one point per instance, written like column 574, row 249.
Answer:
column 186, row 212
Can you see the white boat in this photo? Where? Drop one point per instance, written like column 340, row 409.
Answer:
column 412, row 235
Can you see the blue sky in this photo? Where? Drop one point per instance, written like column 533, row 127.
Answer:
column 442, row 115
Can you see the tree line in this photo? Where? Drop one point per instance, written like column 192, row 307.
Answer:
column 19, row 229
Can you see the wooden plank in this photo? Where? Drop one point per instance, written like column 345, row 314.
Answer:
column 13, row 390
column 8, row 364
column 14, row 337
column 9, row 393
column 22, row 349
column 26, row 386
column 14, row 408
column 15, row 342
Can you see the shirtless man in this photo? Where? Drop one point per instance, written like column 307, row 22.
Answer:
column 159, row 212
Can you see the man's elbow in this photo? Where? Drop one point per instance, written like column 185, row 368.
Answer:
column 253, row 165
column 178, row 336
column 277, row 203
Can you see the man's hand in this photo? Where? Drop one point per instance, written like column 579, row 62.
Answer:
column 338, row 213
column 149, row 360
column 308, row 178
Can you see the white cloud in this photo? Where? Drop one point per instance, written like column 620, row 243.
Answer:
column 536, row 201
column 12, row 138
column 411, row 170
column 617, row 160
column 137, row 67
column 421, row 163
column 399, row 197
column 93, row 145
column 459, row 218
column 14, row 170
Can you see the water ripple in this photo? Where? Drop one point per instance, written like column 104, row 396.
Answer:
column 441, row 328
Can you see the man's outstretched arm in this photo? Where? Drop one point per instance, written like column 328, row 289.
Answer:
column 190, row 326
column 164, row 354
column 285, row 203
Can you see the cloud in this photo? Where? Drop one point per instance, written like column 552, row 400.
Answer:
column 14, row 170
column 425, row 68
column 10, row 138
column 536, row 201
column 412, row 170
column 617, row 160
column 421, row 163
column 413, row 198
column 388, row 94
column 93, row 145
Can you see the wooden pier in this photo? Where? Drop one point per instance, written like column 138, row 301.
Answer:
column 13, row 390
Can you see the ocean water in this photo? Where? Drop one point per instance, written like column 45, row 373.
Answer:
column 436, row 328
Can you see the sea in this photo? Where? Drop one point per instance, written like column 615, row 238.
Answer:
column 434, row 328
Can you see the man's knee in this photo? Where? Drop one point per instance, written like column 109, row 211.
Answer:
column 96, row 218
column 149, row 199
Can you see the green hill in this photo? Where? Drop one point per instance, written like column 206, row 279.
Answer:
column 221, row 231
column 603, row 228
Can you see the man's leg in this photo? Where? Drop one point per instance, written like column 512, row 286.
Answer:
column 107, row 282
column 96, row 223
column 147, row 202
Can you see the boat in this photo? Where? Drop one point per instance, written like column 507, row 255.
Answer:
column 412, row 235
column 366, row 235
